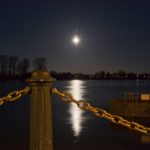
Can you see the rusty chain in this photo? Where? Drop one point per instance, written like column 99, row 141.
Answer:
column 14, row 95
column 101, row 113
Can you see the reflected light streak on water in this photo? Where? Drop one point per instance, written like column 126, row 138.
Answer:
column 76, row 114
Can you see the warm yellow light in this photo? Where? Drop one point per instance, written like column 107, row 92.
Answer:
column 76, row 40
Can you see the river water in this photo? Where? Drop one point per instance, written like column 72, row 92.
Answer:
column 73, row 129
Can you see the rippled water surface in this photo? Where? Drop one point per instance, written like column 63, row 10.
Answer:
column 73, row 129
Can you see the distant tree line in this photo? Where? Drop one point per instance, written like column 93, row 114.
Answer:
column 101, row 75
column 121, row 75
column 12, row 67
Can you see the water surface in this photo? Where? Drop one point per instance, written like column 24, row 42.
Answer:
column 73, row 129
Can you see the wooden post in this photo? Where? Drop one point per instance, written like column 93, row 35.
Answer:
column 40, row 111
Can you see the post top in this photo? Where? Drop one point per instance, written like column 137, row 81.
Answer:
column 40, row 76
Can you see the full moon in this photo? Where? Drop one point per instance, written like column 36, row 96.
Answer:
column 76, row 40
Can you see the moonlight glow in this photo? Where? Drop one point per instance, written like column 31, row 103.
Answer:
column 76, row 40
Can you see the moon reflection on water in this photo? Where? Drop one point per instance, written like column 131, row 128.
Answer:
column 76, row 88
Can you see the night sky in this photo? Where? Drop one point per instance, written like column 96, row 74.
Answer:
column 114, row 34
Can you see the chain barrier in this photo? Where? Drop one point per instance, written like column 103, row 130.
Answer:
column 14, row 95
column 101, row 113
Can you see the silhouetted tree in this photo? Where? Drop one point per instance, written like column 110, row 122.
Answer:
column 3, row 64
column 121, row 74
column 131, row 75
column 40, row 63
column 23, row 66
column 13, row 62
column 101, row 74
column 108, row 75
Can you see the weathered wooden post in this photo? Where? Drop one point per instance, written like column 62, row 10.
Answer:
column 40, row 111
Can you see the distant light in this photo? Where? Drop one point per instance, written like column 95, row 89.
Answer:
column 76, row 40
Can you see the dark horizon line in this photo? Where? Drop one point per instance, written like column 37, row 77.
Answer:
column 71, row 76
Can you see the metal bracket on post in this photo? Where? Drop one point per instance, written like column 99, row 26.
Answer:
column 41, row 111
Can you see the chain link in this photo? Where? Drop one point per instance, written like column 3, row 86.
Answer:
column 14, row 95
column 101, row 113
